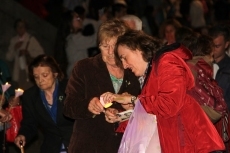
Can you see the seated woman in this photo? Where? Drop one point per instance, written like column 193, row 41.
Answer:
column 182, row 124
column 42, row 105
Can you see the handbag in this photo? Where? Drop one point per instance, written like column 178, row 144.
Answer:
column 12, row 132
column 141, row 133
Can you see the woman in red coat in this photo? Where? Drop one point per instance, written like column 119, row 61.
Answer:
column 182, row 125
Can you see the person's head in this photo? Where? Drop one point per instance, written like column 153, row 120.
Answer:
column 74, row 21
column 199, row 45
column 44, row 71
column 20, row 26
column 220, row 34
column 132, row 21
column 80, row 11
column 119, row 10
column 104, row 14
column 168, row 30
column 108, row 33
column 183, row 32
column 135, row 49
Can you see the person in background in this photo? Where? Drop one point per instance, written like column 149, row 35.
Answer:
column 196, row 14
column 184, row 32
column 132, row 21
column 89, row 79
column 23, row 47
column 182, row 124
column 149, row 24
column 89, row 31
column 7, row 98
column 59, row 49
column 202, row 47
column 77, row 43
column 221, row 38
column 119, row 9
column 42, row 105
column 168, row 30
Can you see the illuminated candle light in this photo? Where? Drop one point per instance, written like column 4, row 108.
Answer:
column 5, row 87
column 105, row 105
column 18, row 92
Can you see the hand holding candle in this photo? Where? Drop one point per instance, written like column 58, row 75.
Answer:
column 105, row 105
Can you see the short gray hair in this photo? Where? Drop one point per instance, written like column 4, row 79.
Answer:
column 137, row 21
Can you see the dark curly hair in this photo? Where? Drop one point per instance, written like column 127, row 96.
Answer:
column 135, row 39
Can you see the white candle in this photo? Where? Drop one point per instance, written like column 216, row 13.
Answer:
column 18, row 92
column 5, row 87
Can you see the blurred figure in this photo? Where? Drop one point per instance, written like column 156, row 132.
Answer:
column 62, row 33
column 89, row 30
column 77, row 43
column 221, row 38
column 42, row 106
column 119, row 9
column 149, row 24
column 22, row 49
column 132, row 21
column 202, row 47
column 196, row 15
column 168, row 30
column 182, row 33
column 89, row 79
column 5, row 116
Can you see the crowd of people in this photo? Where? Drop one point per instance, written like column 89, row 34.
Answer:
column 178, row 69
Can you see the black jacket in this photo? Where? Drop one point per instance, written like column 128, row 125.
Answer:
column 35, row 114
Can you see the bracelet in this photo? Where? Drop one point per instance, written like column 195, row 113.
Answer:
column 133, row 99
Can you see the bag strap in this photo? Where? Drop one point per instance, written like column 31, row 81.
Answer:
column 28, row 42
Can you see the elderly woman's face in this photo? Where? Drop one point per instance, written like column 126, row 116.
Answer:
column 132, row 59
column 44, row 77
column 107, row 51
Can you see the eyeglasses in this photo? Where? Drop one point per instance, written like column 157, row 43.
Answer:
column 107, row 47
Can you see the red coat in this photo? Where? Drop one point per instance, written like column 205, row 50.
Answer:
column 183, row 126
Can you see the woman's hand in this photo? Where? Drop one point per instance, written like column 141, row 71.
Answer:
column 95, row 106
column 124, row 98
column 111, row 115
column 20, row 140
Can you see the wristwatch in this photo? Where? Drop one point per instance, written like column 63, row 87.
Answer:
column 133, row 98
